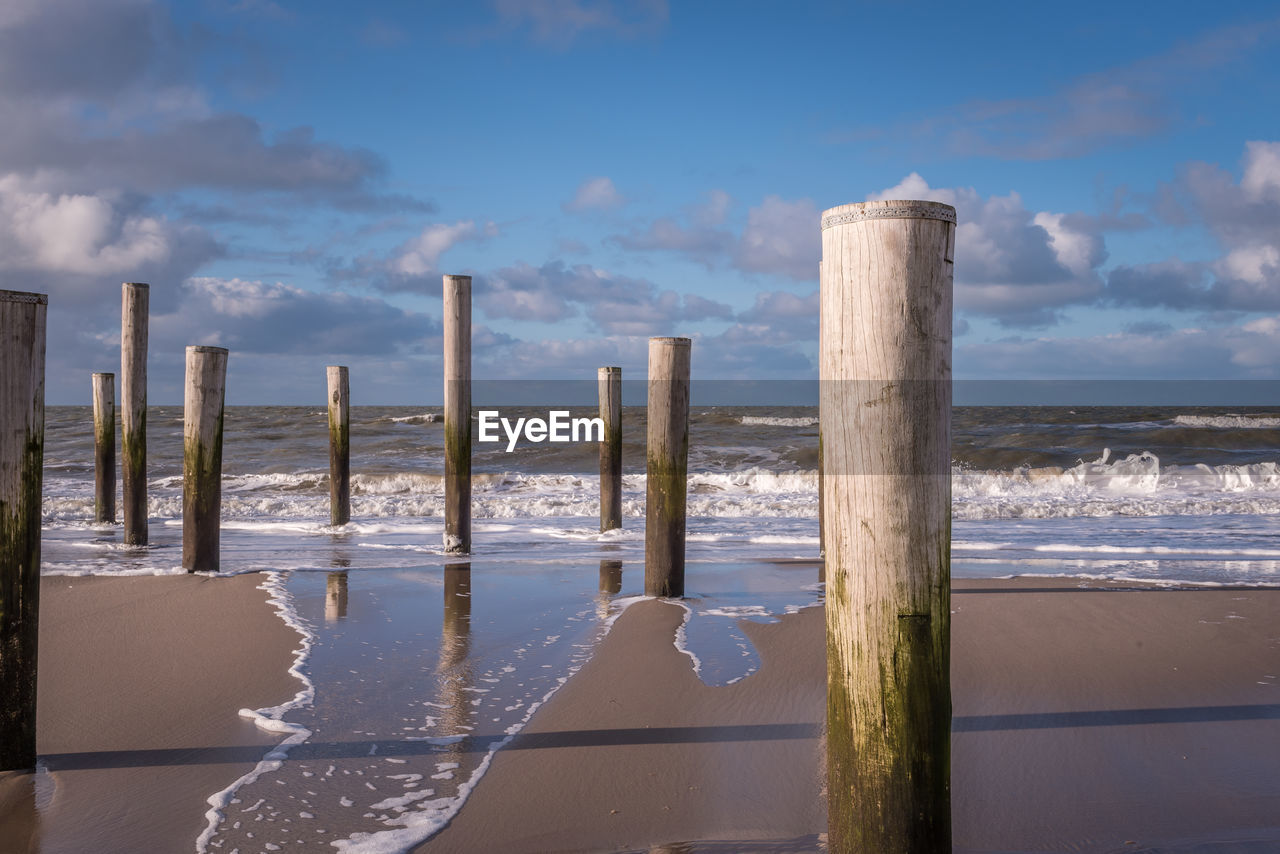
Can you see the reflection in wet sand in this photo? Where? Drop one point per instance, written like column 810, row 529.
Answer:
column 335, row 597
column 19, row 811
column 610, row 576
column 453, row 671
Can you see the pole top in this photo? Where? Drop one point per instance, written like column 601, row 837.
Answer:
column 335, row 367
column 202, row 348
column 610, row 370
column 889, row 209
column 104, row 374
column 137, row 285
column 23, row 296
column 448, row 276
column 674, row 342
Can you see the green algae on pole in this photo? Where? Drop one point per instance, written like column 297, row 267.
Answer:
column 203, row 404
column 609, row 381
column 885, row 371
column 104, row 447
column 135, row 300
column 22, row 345
column 339, row 445
column 667, row 456
column 457, row 414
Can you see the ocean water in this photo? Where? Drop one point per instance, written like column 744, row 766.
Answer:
column 415, row 669
column 1176, row 494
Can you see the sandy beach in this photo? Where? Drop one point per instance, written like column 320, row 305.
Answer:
column 140, row 683
column 1085, row 719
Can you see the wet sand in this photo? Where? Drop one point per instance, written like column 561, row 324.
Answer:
column 140, row 683
column 1085, row 720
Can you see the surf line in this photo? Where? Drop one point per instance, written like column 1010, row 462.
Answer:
column 556, row 427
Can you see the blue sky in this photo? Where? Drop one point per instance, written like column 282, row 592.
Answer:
column 293, row 178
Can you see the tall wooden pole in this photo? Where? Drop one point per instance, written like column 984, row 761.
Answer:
column 822, row 536
column 104, row 447
column 339, row 445
column 22, row 338
column 133, row 409
column 667, row 456
column 610, row 385
column 202, row 457
column 457, row 414
column 886, row 425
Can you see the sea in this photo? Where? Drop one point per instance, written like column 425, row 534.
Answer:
column 415, row 668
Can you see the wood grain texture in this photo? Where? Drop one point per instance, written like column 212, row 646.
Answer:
column 457, row 414
column 885, row 410
column 22, row 349
column 203, row 404
column 339, row 397
column 135, row 302
column 104, row 447
column 609, row 381
column 667, row 464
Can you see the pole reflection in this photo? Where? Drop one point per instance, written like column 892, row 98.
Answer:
column 335, row 597
column 453, row 670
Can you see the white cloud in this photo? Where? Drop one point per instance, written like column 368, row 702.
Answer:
column 1261, row 181
column 1012, row 264
column 1244, row 218
column 68, row 242
column 617, row 305
column 420, row 256
column 558, row 23
column 781, row 237
column 594, row 194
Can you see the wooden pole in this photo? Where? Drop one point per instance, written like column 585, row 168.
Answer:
column 104, row 447
column 457, row 414
column 202, row 457
column 667, row 465
column 133, row 409
column 886, row 424
column 610, row 385
column 822, row 536
column 22, row 339
column 339, row 445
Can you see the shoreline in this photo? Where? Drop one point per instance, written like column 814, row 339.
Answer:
column 141, row 681
column 1086, row 716
column 1071, row 732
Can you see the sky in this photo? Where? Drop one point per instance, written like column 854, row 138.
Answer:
column 293, row 179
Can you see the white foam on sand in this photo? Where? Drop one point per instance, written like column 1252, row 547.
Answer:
column 416, row 825
column 682, row 638
column 774, row 421
column 270, row 719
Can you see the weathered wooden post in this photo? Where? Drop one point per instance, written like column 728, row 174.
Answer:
column 667, row 454
column 610, row 385
column 886, row 424
column 22, row 337
column 202, row 457
column 104, row 447
column 135, row 299
column 822, row 536
column 457, row 414
column 339, row 445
